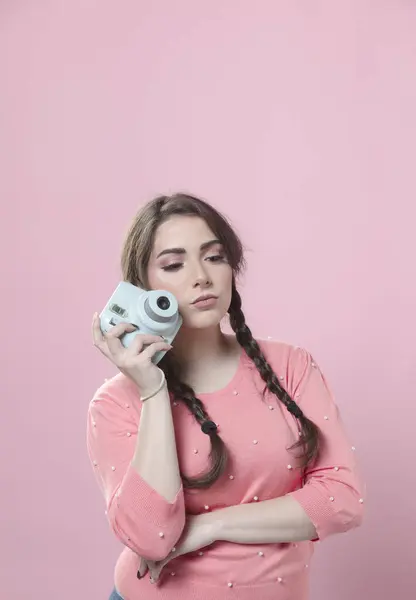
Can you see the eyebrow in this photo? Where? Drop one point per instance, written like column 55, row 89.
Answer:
column 203, row 247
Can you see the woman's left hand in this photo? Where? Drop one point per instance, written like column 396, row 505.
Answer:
column 199, row 532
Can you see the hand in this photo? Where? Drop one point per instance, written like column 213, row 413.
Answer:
column 199, row 532
column 135, row 361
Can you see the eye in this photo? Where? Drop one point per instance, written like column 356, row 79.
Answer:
column 172, row 267
column 216, row 258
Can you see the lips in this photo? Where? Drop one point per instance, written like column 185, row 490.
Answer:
column 205, row 297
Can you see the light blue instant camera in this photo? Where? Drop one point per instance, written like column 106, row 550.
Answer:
column 154, row 312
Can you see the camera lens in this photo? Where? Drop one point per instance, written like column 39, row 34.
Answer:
column 163, row 302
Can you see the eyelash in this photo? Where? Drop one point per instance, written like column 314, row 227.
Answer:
column 176, row 266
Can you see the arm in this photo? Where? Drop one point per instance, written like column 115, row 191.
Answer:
column 155, row 458
column 138, row 473
column 269, row 522
column 330, row 502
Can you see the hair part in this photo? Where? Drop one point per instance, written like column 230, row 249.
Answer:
column 135, row 258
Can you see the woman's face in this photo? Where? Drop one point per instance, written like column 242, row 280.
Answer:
column 189, row 262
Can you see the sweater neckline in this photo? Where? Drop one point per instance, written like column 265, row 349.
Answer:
column 232, row 384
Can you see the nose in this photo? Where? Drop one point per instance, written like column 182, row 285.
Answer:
column 202, row 278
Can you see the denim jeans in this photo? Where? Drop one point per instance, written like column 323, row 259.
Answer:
column 115, row 596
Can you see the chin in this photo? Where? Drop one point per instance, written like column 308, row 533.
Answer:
column 203, row 320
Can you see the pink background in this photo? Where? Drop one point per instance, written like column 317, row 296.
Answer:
column 297, row 119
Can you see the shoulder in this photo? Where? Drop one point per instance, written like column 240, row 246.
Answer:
column 115, row 393
column 289, row 362
column 282, row 353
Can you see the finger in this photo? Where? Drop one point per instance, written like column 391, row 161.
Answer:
column 97, row 334
column 114, row 345
column 134, row 348
column 149, row 339
column 136, row 345
column 120, row 329
column 98, row 337
column 153, row 348
column 140, row 341
column 143, row 568
column 113, row 337
column 155, row 569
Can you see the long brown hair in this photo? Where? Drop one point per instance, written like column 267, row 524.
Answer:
column 134, row 262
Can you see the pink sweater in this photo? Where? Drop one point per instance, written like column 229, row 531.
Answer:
column 256, row 433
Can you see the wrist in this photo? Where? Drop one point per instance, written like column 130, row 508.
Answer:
column 214, row 524
column 145, row 388
column 155, row 389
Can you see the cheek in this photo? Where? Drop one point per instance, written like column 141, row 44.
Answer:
column 159, row 279
column 227, row 297
column 163, row 281
column 223, row 285
column 152, row 280
column 226, row 278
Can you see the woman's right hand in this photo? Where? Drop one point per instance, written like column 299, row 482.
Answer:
column 135, row 361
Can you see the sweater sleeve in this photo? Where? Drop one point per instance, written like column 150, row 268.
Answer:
column 333, row 493
column 138, row 515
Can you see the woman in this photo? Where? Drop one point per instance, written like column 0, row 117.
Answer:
column 223, row 464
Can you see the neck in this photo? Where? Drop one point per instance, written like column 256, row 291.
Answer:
column 194, row 347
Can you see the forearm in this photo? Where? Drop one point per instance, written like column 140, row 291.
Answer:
column 155, row 458
column 272, row 521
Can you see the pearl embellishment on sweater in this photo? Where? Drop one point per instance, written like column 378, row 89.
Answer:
column 231, row 477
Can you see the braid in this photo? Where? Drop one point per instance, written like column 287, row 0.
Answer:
column 184, row 393
column 135, row 258
column 309, row 432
